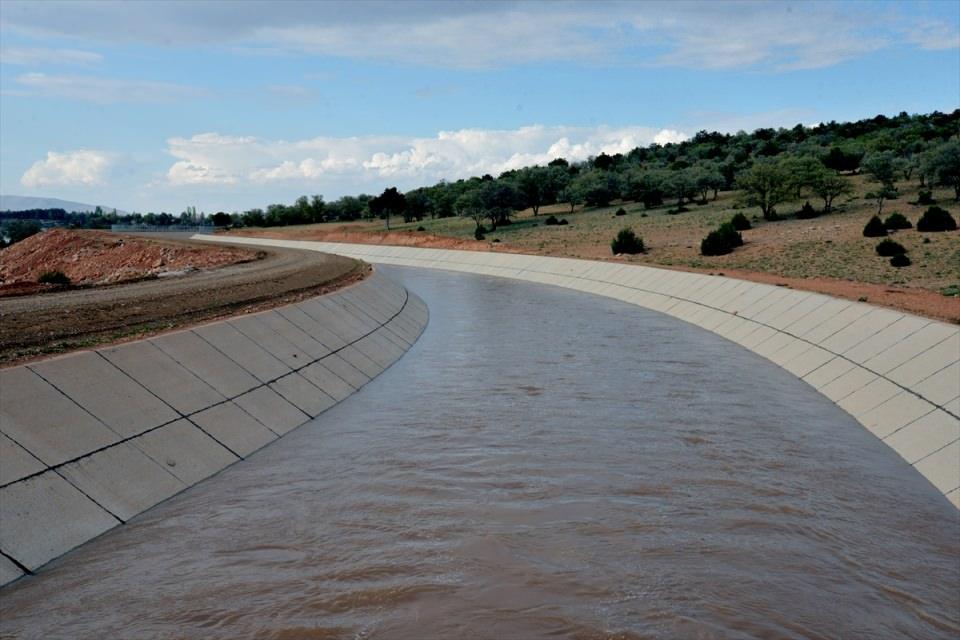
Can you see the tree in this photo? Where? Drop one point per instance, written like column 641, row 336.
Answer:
column 418, row 204
column 883, row 168
column 844, row 158
column 572, row 194
column 766, row 185
column 828, row 186
column 803, row 172
column 470, row 205
column 390, row 202
column 499, row 198
column 943, row 164
column 17, row 230
column 682, row 185
column 598, row 187
column 706, row 178
column 540, row 185
column 221, row 219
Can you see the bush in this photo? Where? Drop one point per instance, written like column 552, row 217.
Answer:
column 740, row 222
column 874, row 228
column 421, row 228
column 888, row 247
column 722, row 241
column 621, row 212
column 680, row 209
column 627, row 242
column 925, row 197
column 479, row 232
column 807, row 211
column 936, row 219
column 897, row 221
column 900, row 260
column 562, row 222
column 54, row 277
column 18, row 230
column 551, row 220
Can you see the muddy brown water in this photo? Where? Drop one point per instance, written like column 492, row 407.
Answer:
column 541, row 464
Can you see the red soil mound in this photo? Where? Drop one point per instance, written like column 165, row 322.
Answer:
column 97, row 257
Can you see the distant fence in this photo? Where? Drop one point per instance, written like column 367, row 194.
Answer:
column 140, row 228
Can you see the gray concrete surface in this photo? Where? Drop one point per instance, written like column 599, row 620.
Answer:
column 91, row 439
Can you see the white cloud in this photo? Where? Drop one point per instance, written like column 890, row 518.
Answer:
column 36, row 56
column 212, row 158
column 106, row 90
column 712, row 35
column 83, row 168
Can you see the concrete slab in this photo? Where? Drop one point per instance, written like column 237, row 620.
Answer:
column 828, row 372
column 44, row 421
column 942, row 386
column 895, row 413
column 847, row 318
column 244, row 351
column 272, row 410
column 933, row 334
column 335, row 321
column 378, row 349
column 847, row 384
column 869, row 397
column 353, row 355
column 360, row 324
column 345, row 371
column 206, row 362
column 8, row 571
column 823, row 313
column 257, row 330
column 185, row 451
column 885, row 339
column 923, row 366
column 303, row 394
column 234, row 427
column 122, row 479
column 942, row 468
column 44, row 517
column 924, row 436
column 16, row 462
column 311, row 327
column 159, row 373
column 106, row 392
column 326, row 380
column 294, row 335
column 954, row 497
column 808, row 361
column 863, row 329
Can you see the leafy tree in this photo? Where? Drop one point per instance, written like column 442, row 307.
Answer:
column 803, row 171
column 17, row 230
column 418, row 205
column 766, row 184
column 572, row 194
column 829, row 186
column 944, row 166
column 883, row 168
column 540, row 185
column 390, row 202
column 682, row 185
column 221, row 219
column 598, row 187
column 499, row 199
column 706, row 178
column 844, row 158
column 470, row 205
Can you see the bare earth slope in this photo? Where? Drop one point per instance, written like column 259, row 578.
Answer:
column 74, row 318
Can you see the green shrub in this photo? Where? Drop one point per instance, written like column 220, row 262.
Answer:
column 807, row 211
column 897, row 221
column 54, row 277
column 421, row 228
column 925, row 197
column 627, row 242
column 874, row 228
column 479, row 233
column 551, row 220
column 900, row 260
column 562, row 221
column 888, row 247
column 722, row 241
column 621, row 212
column 740, row 222
column 936, row 219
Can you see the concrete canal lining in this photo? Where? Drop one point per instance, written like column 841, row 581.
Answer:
column 91, row 439
column 896, row 373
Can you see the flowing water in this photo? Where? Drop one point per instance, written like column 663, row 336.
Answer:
column 541, row 464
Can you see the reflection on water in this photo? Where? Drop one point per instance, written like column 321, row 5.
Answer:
column 541, row 464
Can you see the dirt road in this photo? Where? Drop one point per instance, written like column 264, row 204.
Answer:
column 55, row 322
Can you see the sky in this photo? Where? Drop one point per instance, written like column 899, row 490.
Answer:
column 156, row 106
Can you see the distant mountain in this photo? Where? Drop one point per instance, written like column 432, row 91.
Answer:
column 22, row 203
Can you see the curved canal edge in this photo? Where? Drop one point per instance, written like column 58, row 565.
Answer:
column 91, row 439
column 896, row 373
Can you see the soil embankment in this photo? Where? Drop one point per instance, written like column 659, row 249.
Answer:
column 204, row 282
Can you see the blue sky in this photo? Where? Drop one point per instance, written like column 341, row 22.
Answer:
column 226, row 106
